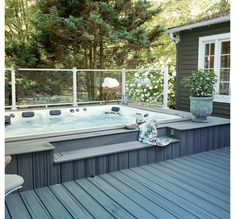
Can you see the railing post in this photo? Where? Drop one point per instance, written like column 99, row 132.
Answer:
column 124, row 96
column 165, row 88
column 13, row 89
column 74, row 86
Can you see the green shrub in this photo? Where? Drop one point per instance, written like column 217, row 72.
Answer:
column 201, row 83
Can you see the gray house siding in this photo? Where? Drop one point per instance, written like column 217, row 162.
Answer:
column 187, row 61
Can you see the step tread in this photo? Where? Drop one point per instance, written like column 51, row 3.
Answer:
column 102, row 150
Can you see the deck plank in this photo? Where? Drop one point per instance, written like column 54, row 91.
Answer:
column 220, row 164
column 216, row 210
column 216, row 155
column 194, row 187
column 221, row 201
column 172, row 196
column 53, row 205
column 125, row 202
column 16, row 207
column 213, row 158
column 136, row 197
column 214, row 169
column 69, row 202
column 188, row 167
column 107, row 202
column 34, row 205
column 96, row 210
column 196, row 177
column 198, row 180
column 210, row 173
column 223, row 166
column 221, row 152
column 174, row 207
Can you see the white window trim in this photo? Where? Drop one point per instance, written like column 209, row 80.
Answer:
column 201, row 48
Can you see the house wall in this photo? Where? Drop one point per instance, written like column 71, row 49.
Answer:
column 187, row 61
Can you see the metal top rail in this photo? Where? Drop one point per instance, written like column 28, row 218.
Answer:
column 87, row 70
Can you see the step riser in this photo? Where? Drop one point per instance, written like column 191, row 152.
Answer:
column 84, row 143
column 96, row 141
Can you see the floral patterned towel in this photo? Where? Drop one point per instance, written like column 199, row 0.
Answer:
column 148, row 134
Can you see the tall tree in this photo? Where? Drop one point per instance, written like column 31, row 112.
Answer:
column 17, row 20
column 96, row 34
column 20, row 49
column 103, row 32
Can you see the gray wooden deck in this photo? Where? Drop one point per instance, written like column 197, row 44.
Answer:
column 195, row 186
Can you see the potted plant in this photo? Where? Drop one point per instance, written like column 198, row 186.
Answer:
column 202, row 88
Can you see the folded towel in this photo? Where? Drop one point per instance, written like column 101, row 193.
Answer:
column 110, row 83
column 148, row 134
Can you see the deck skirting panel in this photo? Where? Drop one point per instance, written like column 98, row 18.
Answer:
column 38, row 169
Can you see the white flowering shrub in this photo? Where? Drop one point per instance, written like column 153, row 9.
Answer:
column 145, row 86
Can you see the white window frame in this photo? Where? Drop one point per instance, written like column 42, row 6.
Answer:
column 217, row 39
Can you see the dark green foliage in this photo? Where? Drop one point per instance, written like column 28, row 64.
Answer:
column 104, row 33
column 23, row 54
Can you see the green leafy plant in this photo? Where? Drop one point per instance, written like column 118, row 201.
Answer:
column 201, row 83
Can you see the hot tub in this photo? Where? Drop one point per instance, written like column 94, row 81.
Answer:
column 54, row 122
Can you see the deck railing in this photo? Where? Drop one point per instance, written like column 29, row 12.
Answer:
column 75, row 73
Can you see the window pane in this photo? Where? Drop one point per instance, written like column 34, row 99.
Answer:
column 225, row 61
column 224, row 81
column 212, row 49
column 207, row 49
column 225, row 47
column 224, row 88
column 209, row 55
column 206, row 65
column 211, row 62
column 225, row 75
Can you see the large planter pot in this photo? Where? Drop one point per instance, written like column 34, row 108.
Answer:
column 201, row 107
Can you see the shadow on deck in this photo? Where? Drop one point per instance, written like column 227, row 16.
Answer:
column 195, row 186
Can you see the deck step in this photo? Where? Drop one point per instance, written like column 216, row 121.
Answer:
column 98, row 139
column 85, row 153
